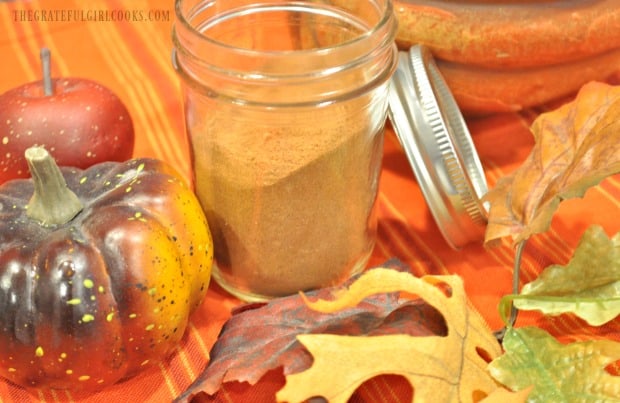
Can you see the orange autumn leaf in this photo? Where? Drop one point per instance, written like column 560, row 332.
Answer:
column 577, row 146
column 446, row 368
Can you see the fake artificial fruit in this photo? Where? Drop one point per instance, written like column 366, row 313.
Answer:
column 100, row 270
column 79, row 121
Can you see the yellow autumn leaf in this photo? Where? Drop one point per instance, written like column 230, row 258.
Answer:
column 577, row 146
column 449, row 368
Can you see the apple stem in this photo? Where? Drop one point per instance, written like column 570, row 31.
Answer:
column 52, row 202
column 47, row 71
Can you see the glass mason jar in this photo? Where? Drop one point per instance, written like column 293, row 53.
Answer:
column 285, row 105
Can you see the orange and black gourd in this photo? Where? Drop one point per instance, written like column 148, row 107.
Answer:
column 89, row 302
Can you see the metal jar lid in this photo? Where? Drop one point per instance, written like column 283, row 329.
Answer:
column 436, row 140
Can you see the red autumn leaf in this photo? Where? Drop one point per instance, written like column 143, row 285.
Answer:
column 259, row 338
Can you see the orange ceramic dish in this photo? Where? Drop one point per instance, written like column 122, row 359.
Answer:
column 508, row 55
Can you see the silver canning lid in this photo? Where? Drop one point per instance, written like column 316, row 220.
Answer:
column 435, row 137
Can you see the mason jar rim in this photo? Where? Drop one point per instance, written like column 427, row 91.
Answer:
column 385, row 18
column 242, row 74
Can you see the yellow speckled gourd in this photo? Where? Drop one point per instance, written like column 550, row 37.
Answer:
column 99, row 270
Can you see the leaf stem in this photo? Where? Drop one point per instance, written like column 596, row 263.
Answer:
column 516, row 271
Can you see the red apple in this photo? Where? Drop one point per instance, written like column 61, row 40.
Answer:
column 79, row 121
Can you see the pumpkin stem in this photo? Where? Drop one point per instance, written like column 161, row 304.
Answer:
column 52, row 202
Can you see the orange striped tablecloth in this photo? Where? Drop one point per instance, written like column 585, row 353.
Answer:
column 133, row 59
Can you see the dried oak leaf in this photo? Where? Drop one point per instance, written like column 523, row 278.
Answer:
column 441, row 368
column 259, row 338
column 588, row 286
column 574, row 372
column 577, row 146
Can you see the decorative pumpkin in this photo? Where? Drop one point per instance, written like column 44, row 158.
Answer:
column 99, row 270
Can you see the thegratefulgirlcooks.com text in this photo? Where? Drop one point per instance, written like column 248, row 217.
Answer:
column 77, row 15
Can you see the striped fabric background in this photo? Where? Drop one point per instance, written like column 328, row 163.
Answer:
column 133, row 59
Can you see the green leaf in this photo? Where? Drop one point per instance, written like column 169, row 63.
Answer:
column 595, row 311
column 588, row 286
column 558, row 373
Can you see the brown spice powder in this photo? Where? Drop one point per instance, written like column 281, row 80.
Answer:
column 290, row 205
